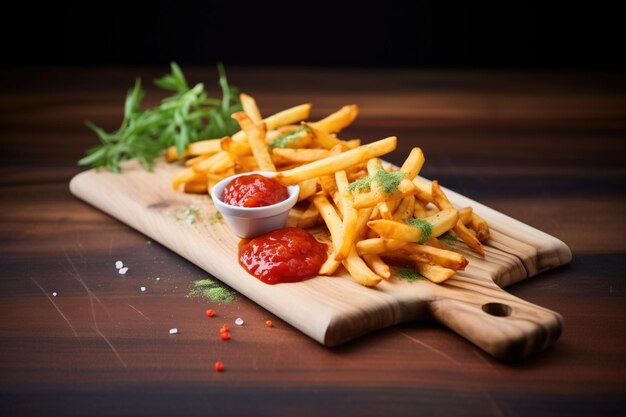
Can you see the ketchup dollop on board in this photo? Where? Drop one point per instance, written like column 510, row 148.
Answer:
column 254, row 191
column 283, row 255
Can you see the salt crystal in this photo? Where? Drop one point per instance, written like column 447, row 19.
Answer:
column 119, row 264
column 239, row 321
column 158, row 279
column 174, row 331
column 54, row 294
column 123, row 271
column 143, row 289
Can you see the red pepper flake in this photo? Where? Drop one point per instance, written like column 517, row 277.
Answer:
column 224, row 328
column 210, row 313
column 225, row 336
column 219, row 366
column 269, row 323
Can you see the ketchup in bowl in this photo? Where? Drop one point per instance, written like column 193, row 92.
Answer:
column 254, row 191
column 290, row 254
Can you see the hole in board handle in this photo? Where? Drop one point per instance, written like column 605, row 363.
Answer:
column 497, row 309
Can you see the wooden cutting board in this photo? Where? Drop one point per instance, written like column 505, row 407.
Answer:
column 334, row 310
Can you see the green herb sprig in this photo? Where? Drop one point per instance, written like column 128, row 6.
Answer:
column 186, row 116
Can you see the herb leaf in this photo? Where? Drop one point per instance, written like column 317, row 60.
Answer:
column 425, row 227
column 388, row 181
column 186, row 116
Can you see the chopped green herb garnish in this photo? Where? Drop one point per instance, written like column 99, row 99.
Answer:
column 186, row 116
column 407, row 274
column 190, row 215
column 449, row 237
column 212, row 290
column 363, row 184
column 425, row 227
column 288, row 139
column 216, row 218
column 148, row 242
column 388, row 181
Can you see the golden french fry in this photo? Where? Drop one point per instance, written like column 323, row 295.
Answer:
column 420, row 208
column 435, row 243
column 373, row 197
column 196, row 187
column 405, row 256
column 204, row 147
column 307, row 189
column 480, row 226
column 273, row 134
column 336, row 121
column 309, row 217
column 442, row 257
column 285, row 117
column 246, row 163
column 461, row 231
column 422, row 230
column 216, row 163
column 289, row 156
column 465, row 215
column 384, row 187
column 379, row 245
column 337, row 162
column 424, row 188
column 350, row 217
column 201, row 147
column 377, row 265
column 413, row 163
column 327, row 141
column 256, row 140
column 357, row 268
column 249, row 106
column 192, row 161
column 185, row 176
column 235, row 148
column 299, row 138
column 435, row 273
column 405, row 210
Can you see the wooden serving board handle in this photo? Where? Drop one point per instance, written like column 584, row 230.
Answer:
column 503, row 325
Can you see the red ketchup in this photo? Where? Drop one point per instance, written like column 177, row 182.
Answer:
column 283, row 255
column 254, row 191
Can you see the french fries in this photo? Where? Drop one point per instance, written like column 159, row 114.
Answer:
column 375, row 214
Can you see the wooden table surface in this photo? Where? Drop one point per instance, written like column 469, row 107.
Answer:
column 545, row 148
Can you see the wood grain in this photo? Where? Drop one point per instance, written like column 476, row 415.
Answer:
column 548, row 149
column 343, row 309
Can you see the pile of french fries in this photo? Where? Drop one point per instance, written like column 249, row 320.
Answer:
column 397, row 220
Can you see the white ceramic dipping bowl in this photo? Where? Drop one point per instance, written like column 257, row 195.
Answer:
column 249, row 222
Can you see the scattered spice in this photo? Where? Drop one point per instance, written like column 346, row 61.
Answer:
column 216, row 218
column 289, row 139
column 219, row 366
column 212, row 290
column 210, row 313
column 239, row 321
column 388, row 181
column 269, row 323
column 425, row 227
column 148, row 242
column 224, row 328
column 174, row 331
column 407, row 274
column 190, row 215
column 449, row 237
column 225, row 336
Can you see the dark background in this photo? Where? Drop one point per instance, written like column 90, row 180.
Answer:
column 320, row 33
